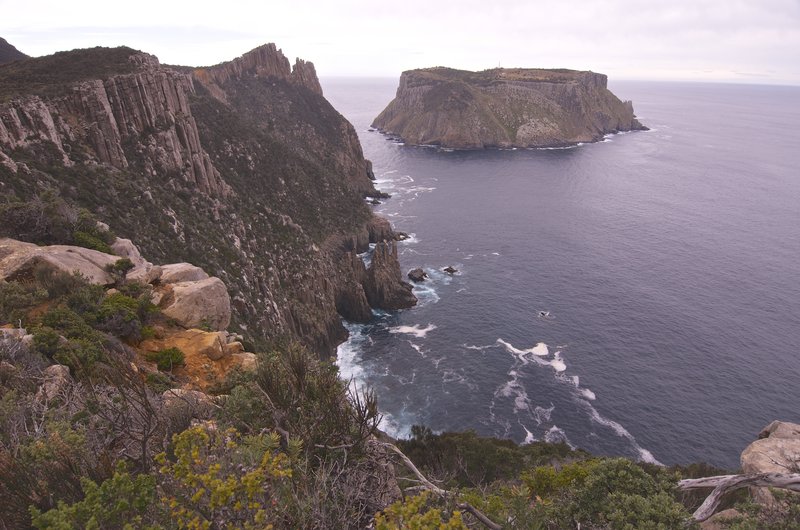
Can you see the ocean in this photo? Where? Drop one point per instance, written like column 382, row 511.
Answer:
column 638, row 296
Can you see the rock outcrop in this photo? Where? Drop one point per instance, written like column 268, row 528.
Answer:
column 18, row 260
column 504, row 108
column 776, row 451
column 384, row 283
column 209, row 357
column 241, row 168
column 147, row 111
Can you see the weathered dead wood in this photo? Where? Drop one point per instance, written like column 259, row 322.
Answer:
column 722, row 484
column 428, row 485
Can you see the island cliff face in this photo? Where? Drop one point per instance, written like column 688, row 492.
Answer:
column 504, row 108
column 242, row 168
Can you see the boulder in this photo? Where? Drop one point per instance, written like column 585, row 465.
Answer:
column 450, row 270
column 55, row 379
column 417, row 275
column 777, row 451
column 147, row 273
column 195, row 403
column 182, row 272
column 143, row 271
column 245, row 361
column 19, row 259
column 126, row 249
column 198, row 304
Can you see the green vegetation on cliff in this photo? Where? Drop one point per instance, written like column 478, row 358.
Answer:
column 53, row 74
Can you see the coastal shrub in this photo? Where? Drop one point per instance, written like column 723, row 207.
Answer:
column 17, row 299
column 122, row 501
column 610, row 493
column 45, row 220
column 783, row 514
column 119, row 315
column 417, row 513
column 58, row 284
column 81, row 346
column 219, row 476
column 87, row 240
column 312, row 402
column 465, row 459
column 167, row 359
column 119, row 269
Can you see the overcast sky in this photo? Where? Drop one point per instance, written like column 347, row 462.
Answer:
column 756, row 41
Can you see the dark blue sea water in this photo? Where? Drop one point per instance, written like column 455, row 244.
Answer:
column 638, row 296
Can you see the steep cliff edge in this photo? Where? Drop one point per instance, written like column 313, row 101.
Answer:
column 504, row 108
column 242, row 168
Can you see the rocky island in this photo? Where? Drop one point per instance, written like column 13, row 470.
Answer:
column 504, row 108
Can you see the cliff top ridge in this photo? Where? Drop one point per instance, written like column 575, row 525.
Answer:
column 49, row 75
column 549, row 75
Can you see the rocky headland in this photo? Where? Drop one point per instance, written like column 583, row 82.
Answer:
column 504, row 108
column 242, row 168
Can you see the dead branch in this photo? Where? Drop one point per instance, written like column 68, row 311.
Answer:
column 722, row 484
column 427, row 484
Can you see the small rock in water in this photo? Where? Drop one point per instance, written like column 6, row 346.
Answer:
column 450, row 270
column 417, row 275
column 401, row 236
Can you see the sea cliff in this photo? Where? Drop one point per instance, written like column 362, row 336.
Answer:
column 242, row 168
column 504, row 108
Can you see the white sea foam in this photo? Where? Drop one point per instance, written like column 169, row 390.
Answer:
column 395, row 427
column 622, row 432
column 410, row 240
column 529, row 437
column 495, row 253
column 478, row 348
column 348, row 354
column 540, row 349
column 556, row 434
column 558, row 363
column 588, row 394
column 415, row 330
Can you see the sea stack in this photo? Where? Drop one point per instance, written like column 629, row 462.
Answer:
column 504, row 108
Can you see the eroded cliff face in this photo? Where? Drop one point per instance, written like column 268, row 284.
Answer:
column 242, row 168
column 504, row 108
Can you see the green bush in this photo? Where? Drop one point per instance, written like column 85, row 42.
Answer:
column 47, row 219
column 167, row 359
column 469, row 460
column 119, row 269
column 17, row 299
column 123, row 501
column 58, row 284
column 612, row 493
column 83, row 347
column 87, row 240
column 119, row 315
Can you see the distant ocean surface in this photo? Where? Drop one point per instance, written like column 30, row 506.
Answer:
column 638, row 296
